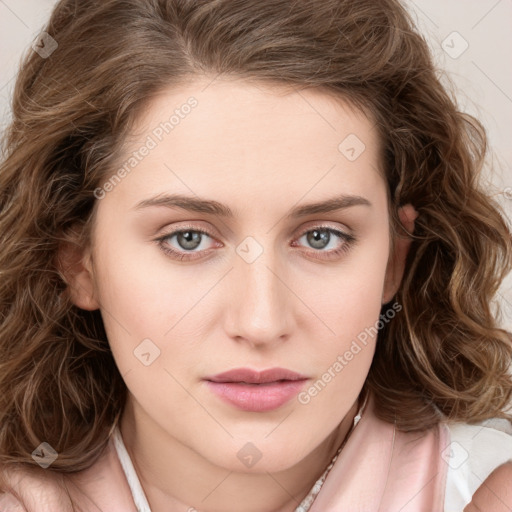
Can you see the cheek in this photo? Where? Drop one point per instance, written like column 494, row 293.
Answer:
column 129, row 298
column 343, row 357
column 349, row 303
column 349, row 298
column 149, row 306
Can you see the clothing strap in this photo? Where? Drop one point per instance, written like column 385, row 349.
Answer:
column 139, row 497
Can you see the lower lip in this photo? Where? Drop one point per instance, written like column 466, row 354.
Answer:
column 257, row 397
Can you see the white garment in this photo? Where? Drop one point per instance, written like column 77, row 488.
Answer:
column 473, row 453
column 139, row 498
column 476, row 451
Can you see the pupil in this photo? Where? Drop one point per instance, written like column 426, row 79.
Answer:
column 189, row 239
column 319, row 238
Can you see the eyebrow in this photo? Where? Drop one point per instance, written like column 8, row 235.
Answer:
column 209, row 206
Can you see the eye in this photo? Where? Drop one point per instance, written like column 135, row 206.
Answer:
column 188, row 239
column 189, row 242
column 321, row 237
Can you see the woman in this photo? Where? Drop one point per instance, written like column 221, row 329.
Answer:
column 247, row 266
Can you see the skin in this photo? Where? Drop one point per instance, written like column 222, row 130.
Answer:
column 261, row 151
column 495, row 493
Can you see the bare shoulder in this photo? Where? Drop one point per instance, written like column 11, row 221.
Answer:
column 26, row 489
column 495, row 493
column 101, row 486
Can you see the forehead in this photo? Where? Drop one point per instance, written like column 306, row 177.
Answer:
column 254, row 140
column 259, row 108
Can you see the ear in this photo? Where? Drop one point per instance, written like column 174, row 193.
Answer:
column 75, row 267
column 401, row 245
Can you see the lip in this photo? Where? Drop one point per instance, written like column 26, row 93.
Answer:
column 256, row 391
column 256, row 377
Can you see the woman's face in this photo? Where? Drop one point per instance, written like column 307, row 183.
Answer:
column 257, row 279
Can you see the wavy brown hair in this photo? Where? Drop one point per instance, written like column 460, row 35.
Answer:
column 443, row 357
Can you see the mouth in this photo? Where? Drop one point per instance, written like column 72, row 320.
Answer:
column 256, row 391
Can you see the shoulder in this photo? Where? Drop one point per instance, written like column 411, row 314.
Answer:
column 101, row 486
column 473, row 453
column 495, row 493
column 25, row 489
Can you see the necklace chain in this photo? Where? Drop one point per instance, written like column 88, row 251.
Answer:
column 306, row 503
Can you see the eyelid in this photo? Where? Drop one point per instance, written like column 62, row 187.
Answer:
column 345, row 235
column 311, row 225
column 211, row 232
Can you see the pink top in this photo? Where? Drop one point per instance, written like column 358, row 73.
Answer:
column 383, row 469
column 379, row 469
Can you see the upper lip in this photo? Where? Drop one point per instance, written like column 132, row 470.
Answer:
column 255, row 376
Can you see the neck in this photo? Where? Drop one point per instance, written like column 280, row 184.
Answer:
column 176, row 477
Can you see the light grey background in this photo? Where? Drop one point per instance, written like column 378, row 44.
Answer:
column 482, row 73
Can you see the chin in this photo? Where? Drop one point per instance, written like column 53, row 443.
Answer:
column 244, row 456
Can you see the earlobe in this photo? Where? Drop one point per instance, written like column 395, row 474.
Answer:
column 75, row 267
column 396, row 263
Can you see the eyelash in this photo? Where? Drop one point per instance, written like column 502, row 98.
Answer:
column 349, row 240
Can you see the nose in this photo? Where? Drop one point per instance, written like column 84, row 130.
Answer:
column 260, row 311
